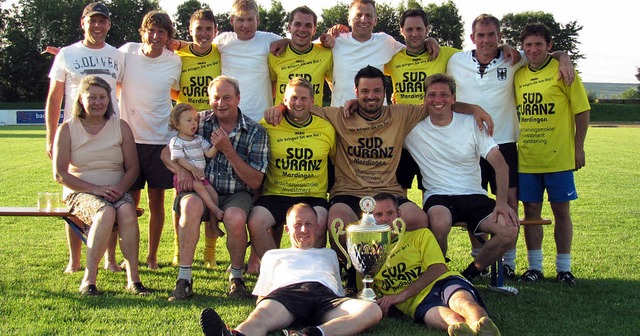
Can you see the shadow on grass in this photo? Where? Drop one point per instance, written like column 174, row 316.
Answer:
column 592, row 307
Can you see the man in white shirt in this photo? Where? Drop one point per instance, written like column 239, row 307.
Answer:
column 145, row 103
column 91, row 56
column 289, row 290
column 359, row 48
column 244, row 55
column 447, row 146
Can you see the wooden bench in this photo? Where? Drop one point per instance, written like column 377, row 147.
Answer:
column 497, row 278
column 62, row 213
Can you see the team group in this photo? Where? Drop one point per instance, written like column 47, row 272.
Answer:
column 260, row 169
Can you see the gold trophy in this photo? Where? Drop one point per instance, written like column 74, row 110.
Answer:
column 368, row 243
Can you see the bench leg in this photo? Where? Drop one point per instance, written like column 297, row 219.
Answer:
column 78, row 231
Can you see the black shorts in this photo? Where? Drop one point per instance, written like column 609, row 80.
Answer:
column 510, row 153
column 471, row 209
column 407, row 170
column 354, row 202
column 153, row 172
column 307, row 301
column 441, row 292
column 279, row 205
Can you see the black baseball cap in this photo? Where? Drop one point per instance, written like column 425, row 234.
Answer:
column 96, row 8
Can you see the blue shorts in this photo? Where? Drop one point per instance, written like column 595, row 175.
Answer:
column 560, row 187
column 441, row 292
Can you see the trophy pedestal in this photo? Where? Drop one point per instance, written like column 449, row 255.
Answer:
column 367, row 292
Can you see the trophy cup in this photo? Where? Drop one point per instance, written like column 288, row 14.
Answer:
column 368, row 243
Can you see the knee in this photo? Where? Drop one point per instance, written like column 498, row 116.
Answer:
column 235, row 220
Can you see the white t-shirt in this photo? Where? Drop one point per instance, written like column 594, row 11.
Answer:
column 284, row 267
column 74, row 62
column 145, row 99
column 351, row 55
column 247, row 61
column 493, row 90
column 448, row 155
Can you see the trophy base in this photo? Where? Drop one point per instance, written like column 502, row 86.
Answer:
column 367, row 294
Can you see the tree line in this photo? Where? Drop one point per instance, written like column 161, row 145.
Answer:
column 30, row 25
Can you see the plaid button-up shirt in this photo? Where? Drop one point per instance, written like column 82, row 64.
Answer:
column 250, row 141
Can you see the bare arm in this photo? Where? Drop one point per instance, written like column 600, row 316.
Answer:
column 432, row 48
column 510, row 53
column 566, row 70
column 249, row 175
column 185, row 178
column 501, row 168
column 427, row 277
column 52, row 112
column 197, row 173
column 279, row 46
column 211, row 152
column 582, row 124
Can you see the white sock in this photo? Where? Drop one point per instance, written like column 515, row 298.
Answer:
column 535, row 259
column 235, row 273
column 185, row 272
column 510, row 258
column 563, row 262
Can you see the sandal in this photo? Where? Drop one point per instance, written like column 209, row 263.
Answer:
column 89, row 290
column 138, row 289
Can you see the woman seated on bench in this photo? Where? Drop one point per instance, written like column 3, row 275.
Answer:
column 95, row 159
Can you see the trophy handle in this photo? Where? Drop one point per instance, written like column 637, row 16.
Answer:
column 337, row 229
column 398, row 226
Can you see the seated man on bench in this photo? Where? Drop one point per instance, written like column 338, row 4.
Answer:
column 447, row 147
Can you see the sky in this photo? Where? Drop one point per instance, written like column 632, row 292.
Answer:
column 608, row 39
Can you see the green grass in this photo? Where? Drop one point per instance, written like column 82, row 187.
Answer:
column 37, row 298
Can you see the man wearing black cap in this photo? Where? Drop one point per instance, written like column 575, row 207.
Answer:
column 91, row 56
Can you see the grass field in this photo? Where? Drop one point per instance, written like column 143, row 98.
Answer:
column 37, row 298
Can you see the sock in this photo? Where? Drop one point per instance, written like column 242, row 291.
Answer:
column 535, row 259
column 185, row 272
column 235, row 273
column 563, row 262
column 471, row 271
column 209, row 251
column 510, row 258
column 475, row 251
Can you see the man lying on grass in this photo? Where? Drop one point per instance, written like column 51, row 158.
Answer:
column 290, row 291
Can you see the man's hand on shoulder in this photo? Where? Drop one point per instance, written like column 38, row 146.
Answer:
column 273, row 115
column 280, row 46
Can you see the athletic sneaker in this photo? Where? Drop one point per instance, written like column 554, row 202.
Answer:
column 531, row 276
column 566, row 278
column 508, row 273
column 238, row 289
column 460, row 329
column 212, row 324
column 183, row 290
column 293, row 333
column 485, row 327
